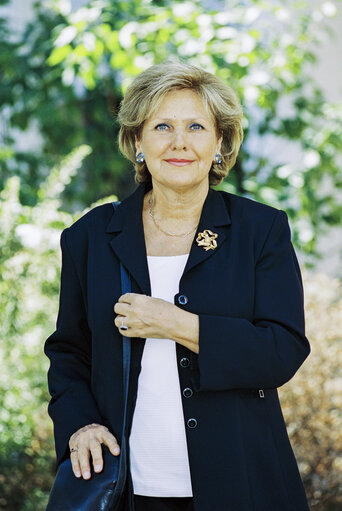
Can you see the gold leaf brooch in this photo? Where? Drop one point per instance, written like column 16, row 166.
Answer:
column 207, row 240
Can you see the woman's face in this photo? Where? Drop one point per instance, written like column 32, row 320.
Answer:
column 179, row 141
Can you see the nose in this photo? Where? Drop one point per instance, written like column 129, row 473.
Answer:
column 179, row 140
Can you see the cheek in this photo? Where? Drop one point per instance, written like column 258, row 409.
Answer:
column 206, row 145
column 155, row 146
column 207, row 151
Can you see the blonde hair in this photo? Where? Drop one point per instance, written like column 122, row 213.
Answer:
column 144, row 96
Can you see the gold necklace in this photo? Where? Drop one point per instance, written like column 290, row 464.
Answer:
column 158, row 226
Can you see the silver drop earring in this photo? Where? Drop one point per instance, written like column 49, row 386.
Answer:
column 140, row 158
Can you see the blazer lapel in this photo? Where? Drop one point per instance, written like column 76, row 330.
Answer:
column 214, row 217
column 128, row 241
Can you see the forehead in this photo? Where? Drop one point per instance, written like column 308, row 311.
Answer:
column 181, row 104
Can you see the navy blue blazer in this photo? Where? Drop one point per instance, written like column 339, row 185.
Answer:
column 249, row 299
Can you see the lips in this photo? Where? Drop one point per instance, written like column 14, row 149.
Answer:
column 179, row 162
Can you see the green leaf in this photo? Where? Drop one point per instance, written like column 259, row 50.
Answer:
column 58, row 55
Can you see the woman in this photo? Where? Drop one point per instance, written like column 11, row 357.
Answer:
column 215, row 315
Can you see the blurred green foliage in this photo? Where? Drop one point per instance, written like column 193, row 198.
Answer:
column 66, row 74
column 61, row 83
column 29, row 285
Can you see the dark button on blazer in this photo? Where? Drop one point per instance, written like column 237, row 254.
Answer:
column 249, row 299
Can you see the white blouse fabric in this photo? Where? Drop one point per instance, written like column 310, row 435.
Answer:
column 158, row 450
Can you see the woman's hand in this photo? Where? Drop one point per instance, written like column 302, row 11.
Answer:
column 149, row 317
column 144, row 316
column 88, row 440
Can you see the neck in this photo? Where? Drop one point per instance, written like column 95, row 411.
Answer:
column 175, row 206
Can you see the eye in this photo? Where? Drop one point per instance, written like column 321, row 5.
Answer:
column 196, row 127
column 162, row 127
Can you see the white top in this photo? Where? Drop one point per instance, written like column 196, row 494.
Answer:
column 158, row 448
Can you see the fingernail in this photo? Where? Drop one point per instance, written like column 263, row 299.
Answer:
column 98, row 468
column 116, row 450
column 86, row 475
column 78, row 474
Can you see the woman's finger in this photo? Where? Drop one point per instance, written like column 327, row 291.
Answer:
column 75, row 464
column 110, row 441
column 83, row 454
column 121, row 308
column 96, row 453
column 126, row 298
column 118, row 321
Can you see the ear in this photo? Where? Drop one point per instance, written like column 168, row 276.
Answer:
column 137, row 145
column 219, row 143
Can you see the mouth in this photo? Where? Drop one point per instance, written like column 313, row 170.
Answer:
column 179, row 162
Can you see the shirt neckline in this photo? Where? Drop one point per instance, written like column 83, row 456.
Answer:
column 165, row 257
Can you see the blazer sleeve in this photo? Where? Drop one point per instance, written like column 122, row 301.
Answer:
column 72, row 404
column 266, row 351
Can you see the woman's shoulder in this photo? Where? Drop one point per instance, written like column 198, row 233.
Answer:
column 248, row 209
column 248, row 205
column 95, row 216
column 93, row 220
column 256, row 219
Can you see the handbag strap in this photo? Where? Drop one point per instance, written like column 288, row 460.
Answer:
column 126, row 359
column 126, row 346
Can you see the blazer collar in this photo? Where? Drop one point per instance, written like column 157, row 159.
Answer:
column 214, row 217
column 128, row 242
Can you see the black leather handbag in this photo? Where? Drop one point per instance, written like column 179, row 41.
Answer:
column 104, row 490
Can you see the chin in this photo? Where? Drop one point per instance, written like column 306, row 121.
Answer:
column 181, row 180
column 182, row 184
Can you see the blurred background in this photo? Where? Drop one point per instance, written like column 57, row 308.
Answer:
column 64, row 66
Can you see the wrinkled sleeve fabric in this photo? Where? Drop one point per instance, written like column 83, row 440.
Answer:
column 265, row 351
column 72, row 404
